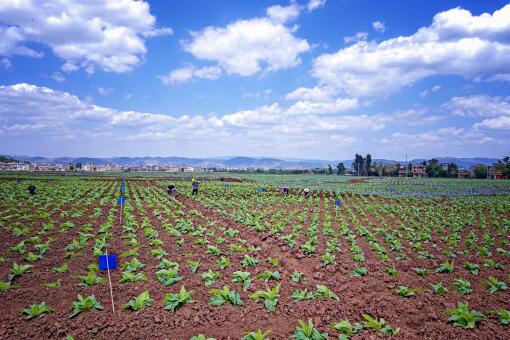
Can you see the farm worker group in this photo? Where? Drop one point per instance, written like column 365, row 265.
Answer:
column 172, row 189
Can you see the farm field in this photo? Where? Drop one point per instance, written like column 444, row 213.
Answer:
column 403, row 258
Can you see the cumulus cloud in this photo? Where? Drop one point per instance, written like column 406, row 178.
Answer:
column 58, row 77
column 478, row 106
column 359, row 36
column 314, row 4
column 499, row 123
column 86, row 34
column 246, row 47
column 434, row 88
column 187, row 73
column 379, row 26
column 441, row 137
column 456, row 43
column 5, row 64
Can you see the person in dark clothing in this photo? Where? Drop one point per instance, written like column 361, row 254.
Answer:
column 194, row 185
column 171, row 189
column 31, row 189
column 306, row 192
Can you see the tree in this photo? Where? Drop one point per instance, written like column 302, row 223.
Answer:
column 453, row 170
column 358, row 164
column 330, row 170
column 71, row 166
column 368, row 163
column 480, row 171
column 78, row 166
column 340, row 168
column 503, row 166
column 433, row 168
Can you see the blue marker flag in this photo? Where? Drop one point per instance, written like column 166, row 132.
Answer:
column 337, row 203
column 121, row 189
column 121, row 200
column 112, row 261
column 392, row 189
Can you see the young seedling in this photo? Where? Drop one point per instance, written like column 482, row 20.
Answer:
column 270, row 297
column 296, row 276
column 302, row 294
column 213, row 250
column 323, row 292
column 439, row 289
column 472, row 267
column 201, row 337
column 258, row 335
column 62, row 269
column 168, row 276
column 306, row 331
column 463, row 317
column 167, row 264
column 193, row 265
column 421, row 271
column 172, row 302
column 142, row 301
column 379, row 325
column 359, row 272
column 445, row 267
column 84, row 304
column 54, row 284
column 503, row 315
column 221, row 296
column 36, row 310
column 244, row 277
column 346, row 329
column 130, row 277
column 269, row 275
column 133, row 265
column 405, row 291
column 20, row 248
column 18, row 270
column 273, row 261
column 494, row 285
column 391, row 271
column 463, row 286
column 158, row 253
column 6, row 285
column 249, row 261
column 328, row 259
column 90, row 279
column 210, row 277
column 223, row 262
column 31, row 257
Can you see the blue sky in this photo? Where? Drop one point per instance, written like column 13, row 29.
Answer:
column 307, row 79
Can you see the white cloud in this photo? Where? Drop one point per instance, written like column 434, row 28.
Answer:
column 478, row 106
column 317, row 93
column 186, row 73
column 359, row 36
column 345, row 139
column 379, row 26
column 58, row 77
column 444, row 137
column 434, row 88
column 314, row 4
column 261, row 94
column 314, row 107
column 104, row 91
column 282, row 14
column 499, row 123
column 245, row 47
column 456, row 43
column 107, row 34
column 5, row 64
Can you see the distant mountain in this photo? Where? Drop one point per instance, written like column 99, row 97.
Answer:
column 237, row 162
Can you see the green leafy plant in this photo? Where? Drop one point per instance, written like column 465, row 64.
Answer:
column 463, row 286
column 472, row 267
column 210, row 277
column 244, row 277
column 269, row 296
column 328, row 259
column 224, row 295
column 421, row 271
column 223, row 262
column 359, row 272
column 173, row 302
column 193, row 265
column 18, row 270
column 391, row 271
column 90, row 279
column 20, row 248
column 62, row 269
column 269, row 275
column 31, row 257
column 302, row 294
column 168, row 276
column 439, row 289
column 379, row 325
column 53, row 284
column 406, row 291
column 142, row 301
column 130, row 277
column 503, row 315
column 463, row 317
column 133, row 265
column 158, row 253
column 249, row 261
column 306, row 331
column 36, row 310
column 257, row 335
column 494, row 284
column 201, row 337
column 84, row 304
column 346, row 329
column 323, row 292
column 446, row 267
column 6, row 285
column 296, row 276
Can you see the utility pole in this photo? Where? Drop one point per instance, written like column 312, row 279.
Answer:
column 407, row 166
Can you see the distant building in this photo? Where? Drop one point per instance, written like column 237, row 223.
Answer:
column 465, row 173
column 419, row 170
column 493, row 173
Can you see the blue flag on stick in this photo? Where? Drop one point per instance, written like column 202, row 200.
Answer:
column 121, row 200
column 112, row 261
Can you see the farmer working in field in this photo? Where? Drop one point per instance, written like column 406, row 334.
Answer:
column 194, row 185
column 306, row 192
column 31, row 189
column 171, row 189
